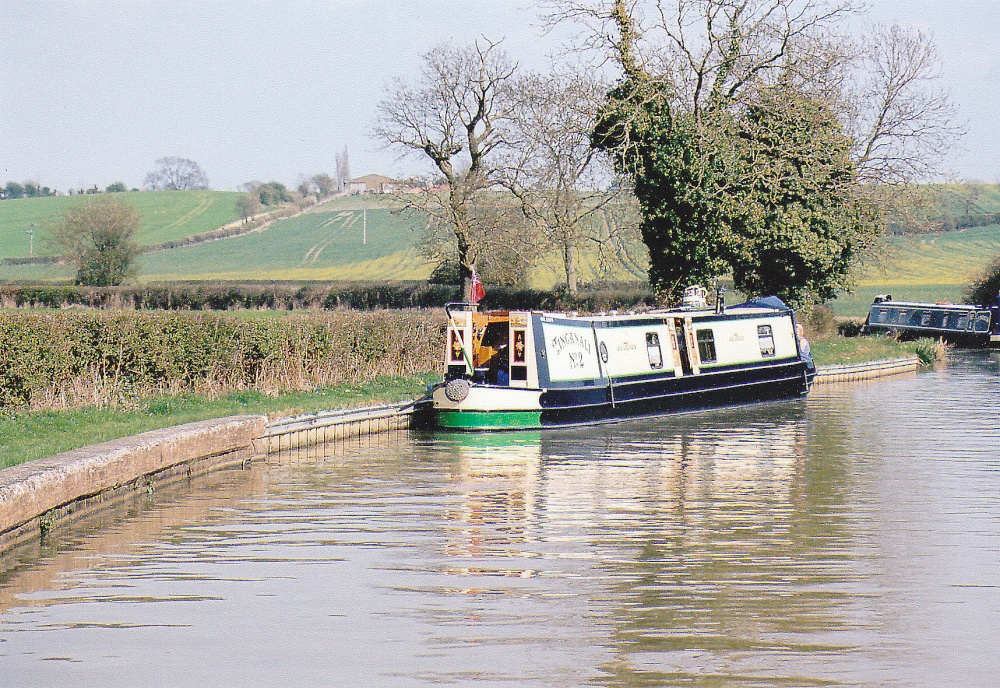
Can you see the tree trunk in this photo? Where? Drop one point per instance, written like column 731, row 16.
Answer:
column 569, row 258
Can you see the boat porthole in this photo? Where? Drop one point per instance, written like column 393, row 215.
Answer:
column 604, row 352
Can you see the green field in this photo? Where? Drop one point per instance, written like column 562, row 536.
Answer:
column 319, row 245
column 328, row 243
column 929, row 267
column 958, row 199
column 164, row 216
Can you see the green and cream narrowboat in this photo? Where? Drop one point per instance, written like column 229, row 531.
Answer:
column 531, row 369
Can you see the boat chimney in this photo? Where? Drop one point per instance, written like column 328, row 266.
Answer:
column 720, row 299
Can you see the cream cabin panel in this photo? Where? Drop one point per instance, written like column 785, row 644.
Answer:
column 628, row 349
column 737, row 342
column 571, row 352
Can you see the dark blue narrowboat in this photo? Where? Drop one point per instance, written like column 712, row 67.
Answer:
column 531, row 369
column 963, row 324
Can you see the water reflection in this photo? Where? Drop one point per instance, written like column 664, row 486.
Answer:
column 848, row 540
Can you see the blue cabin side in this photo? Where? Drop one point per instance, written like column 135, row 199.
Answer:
column 958, row 323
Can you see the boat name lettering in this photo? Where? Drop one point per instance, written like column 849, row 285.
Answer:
column 626, row 346
column 569, row 339
column 736, row 337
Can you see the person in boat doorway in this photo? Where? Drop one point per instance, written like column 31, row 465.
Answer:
column 499, row 373
column 804, row 349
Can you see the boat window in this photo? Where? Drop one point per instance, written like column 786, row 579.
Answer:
column 903, row 318
column 706, row 346
column 983, row 322
column 925, row 319
column 495, row 335
column 963, row 322
column 765, row 337
column 653, row 349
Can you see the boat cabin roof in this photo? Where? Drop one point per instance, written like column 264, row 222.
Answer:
column 935, row 306
column 659, row 314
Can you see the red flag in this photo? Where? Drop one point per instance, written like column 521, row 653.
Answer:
column 476, row 290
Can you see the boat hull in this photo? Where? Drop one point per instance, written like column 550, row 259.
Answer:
column 495, row 408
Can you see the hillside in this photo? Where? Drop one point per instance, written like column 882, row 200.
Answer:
column 328, row 242
column 929, row 267
column 323, row 244
column 165, row 216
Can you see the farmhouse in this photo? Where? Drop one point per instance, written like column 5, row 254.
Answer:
column 372, row 183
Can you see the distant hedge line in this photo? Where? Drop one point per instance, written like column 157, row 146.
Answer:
column 224, row 296
column 99, row 358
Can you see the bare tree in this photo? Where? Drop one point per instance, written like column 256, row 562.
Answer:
column 176, row 174
column 454, row 117
column 560, row 179
column 248, row 205
column 901, row 125
column 343, row 170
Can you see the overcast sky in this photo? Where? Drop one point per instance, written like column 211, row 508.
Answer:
column 93, row 92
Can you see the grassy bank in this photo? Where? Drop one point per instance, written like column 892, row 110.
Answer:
column 837, row 350
column 29, row 435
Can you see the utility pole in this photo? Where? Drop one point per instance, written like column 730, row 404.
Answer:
column 31, row 240
column 364, row 226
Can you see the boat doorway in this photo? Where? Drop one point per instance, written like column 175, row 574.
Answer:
column 682, row 349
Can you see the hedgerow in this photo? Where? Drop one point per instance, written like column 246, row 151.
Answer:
column 73, row 358
column 226, row 296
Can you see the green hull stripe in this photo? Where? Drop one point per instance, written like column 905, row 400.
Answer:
column 488, row 420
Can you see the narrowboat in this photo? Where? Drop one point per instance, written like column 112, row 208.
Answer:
column 508, row 369
column 963, row 324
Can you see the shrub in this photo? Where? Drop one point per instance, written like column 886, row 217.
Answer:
column 984, row 289
column 98, row 236
column 931, row 351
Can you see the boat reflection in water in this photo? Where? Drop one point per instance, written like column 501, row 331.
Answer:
column 693, row 538
column 645, row 462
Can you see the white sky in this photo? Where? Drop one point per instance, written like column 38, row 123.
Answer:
column 93, row 92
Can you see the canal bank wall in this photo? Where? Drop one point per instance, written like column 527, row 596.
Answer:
column 870, row 370
column 37, row 495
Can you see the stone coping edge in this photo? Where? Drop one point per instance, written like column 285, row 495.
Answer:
column 866, row 371
column 30, row 491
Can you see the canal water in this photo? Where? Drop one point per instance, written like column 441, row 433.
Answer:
column 851, row 539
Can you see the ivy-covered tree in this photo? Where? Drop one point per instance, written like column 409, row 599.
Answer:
column 798, row 220
column 728, row 180
column 679, row 166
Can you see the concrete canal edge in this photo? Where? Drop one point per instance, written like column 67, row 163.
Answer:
column 36, row 495
column 869, row 370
